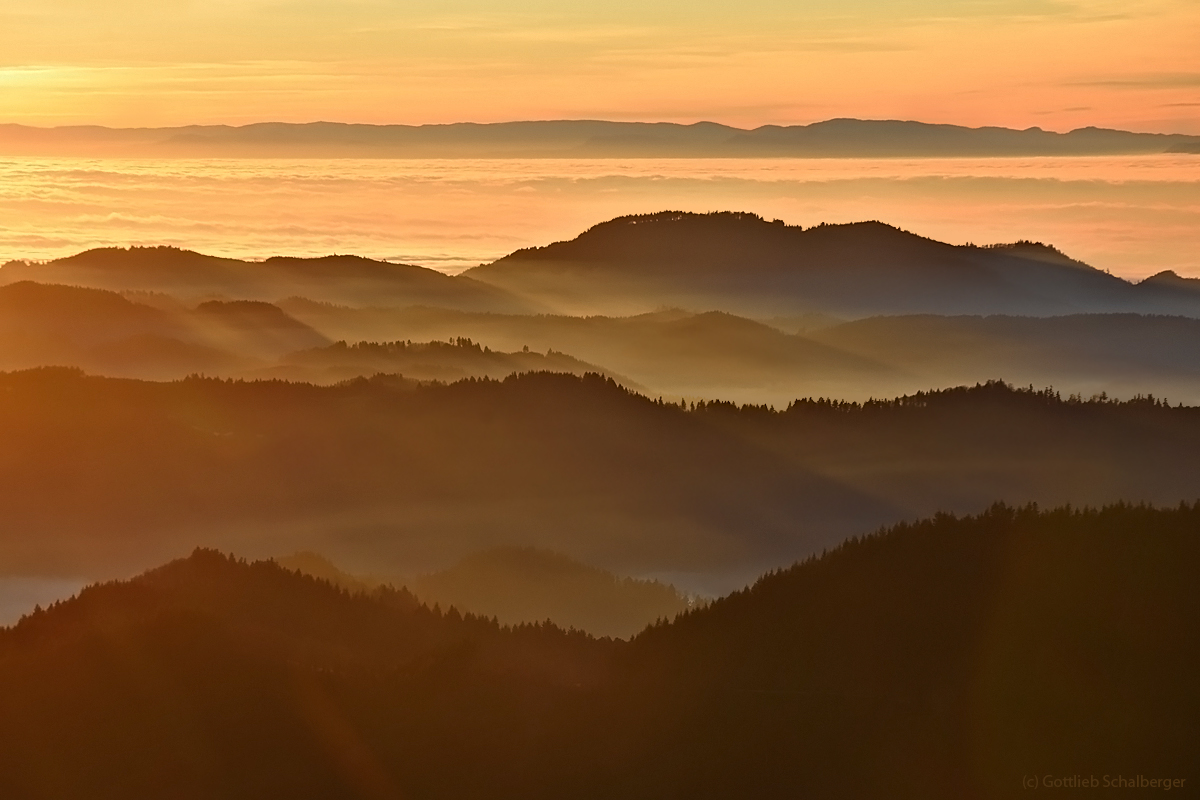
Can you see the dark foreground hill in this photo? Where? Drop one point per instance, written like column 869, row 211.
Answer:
column 948, row 659
column 743, row 264
column 103, row 476
column 212, row 678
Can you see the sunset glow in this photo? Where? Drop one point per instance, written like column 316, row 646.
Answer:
column 530, row 400
column 1051, row 63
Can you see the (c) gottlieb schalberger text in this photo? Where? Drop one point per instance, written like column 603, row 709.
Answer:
column 1101, row 782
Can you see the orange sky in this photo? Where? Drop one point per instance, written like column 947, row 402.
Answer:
column 1058, row 64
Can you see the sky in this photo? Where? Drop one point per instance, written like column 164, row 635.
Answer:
column 1056, row 64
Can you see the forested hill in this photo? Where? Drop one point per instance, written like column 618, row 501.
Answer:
column 743, row 264
column 97, row 472
column 101, row 476
column 219, row 678
column 938, row 660
column 946, row 658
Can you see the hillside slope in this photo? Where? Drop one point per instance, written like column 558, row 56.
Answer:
column 944, row 659
column 939, row 660
column 156, row 338
column 519, row 585
column 523, row 584
column 211, row 677
column 100, row 476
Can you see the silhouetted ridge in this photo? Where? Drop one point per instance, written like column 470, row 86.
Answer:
column 743, row 264
column 704, row 240
column 1037, row 250
column 991, row 393
column 135, row 258
column 724, row 261
column 336, row 268
column 838, row 138
column 1171, row 277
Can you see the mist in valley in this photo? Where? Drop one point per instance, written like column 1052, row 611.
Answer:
column 600, row 502
column 624, row 401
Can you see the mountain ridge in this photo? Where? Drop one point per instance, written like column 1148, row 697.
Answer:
column 835, row 138
column 736, row 262
column 741, row 263
column 188, row 275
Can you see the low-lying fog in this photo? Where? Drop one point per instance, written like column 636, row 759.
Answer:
column 1133, row 215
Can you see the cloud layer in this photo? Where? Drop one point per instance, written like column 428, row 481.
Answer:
column 1132, row 215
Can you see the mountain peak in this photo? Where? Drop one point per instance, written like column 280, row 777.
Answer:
column 697, row 239
column 136, row 255
column 741, row 263
column 1169, row 277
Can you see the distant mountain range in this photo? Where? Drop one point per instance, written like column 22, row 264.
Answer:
column 940, row 660
column 837, row 138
